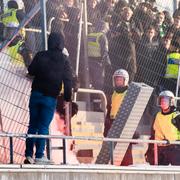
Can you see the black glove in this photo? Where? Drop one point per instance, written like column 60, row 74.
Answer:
column 176, row 122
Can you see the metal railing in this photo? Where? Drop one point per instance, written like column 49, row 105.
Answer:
column 100, row 93
column 64, row 138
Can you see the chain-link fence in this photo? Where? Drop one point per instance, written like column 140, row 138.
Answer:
column 135, row 35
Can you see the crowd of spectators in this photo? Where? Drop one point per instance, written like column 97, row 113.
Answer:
column 139, row 35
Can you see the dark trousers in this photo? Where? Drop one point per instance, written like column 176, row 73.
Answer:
column 169, row 155
column 96, row 74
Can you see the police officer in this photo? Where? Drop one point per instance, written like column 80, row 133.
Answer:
column 11, row 18
column 98, row 54
column 120, row 84
column 172, row 63
column 166, row 130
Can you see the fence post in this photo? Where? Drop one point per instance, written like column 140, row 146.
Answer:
column 155, row 154
column 79, row 47
column 44, row 24
column 111, row 152
column 64, row 151
column 11, row 150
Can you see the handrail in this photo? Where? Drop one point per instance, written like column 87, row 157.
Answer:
column 94, row 91
column 89, row 138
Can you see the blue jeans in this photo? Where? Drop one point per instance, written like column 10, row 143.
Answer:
column 41, row 114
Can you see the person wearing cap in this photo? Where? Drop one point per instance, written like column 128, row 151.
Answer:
column 165, row 129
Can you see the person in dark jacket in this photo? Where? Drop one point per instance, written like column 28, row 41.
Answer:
column 50, row 69
column 122, row 47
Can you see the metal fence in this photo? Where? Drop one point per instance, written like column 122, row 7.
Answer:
column 128, row 49
column 111, row 142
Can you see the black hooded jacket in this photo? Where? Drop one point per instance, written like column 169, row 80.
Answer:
column 51, row 68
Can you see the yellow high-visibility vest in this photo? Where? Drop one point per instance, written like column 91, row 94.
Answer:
column 9, row 18
column 14, row 54
column 172, row 67
column 164, row 129
column 116, row 101
column 94, row 49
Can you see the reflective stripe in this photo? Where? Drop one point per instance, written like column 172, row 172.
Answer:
column 94, row 49
column 172, row 66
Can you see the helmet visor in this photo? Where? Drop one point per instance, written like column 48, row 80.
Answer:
column 164, row 101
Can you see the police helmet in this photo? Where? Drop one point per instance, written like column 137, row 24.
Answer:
column 121, row 73
column 166, row 94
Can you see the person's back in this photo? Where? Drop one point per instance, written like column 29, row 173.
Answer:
column 50, row 69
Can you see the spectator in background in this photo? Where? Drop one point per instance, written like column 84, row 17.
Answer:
column 71, row 29
column 176, row 24
column 175, row 27
column 33, row 39
column 168, row 21
column 133, row 4
column 142, row 17
column 159, row 61
column 66, row 20
column 177, row 11
column 56, row 10
column 50, row 69
column 93, row 13
column 146, row 66
column 106, row 8
column 160, row 26
column 116, row 17
column 122, row 47
column 145, row 51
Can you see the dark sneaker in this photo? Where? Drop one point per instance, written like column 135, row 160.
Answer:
column 29, row 160
column 44, row 161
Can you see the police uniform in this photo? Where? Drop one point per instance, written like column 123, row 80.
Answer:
column 171, row 72
column 17, row 50
column 97, row 56
column 165, row 130
column 172, row 66
column 94, row 47
column 116, row 101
